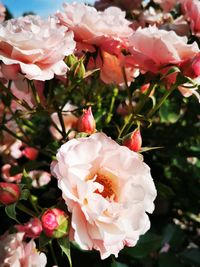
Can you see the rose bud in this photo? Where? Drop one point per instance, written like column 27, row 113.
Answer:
column 32, row 229
column 9, row 193
column 133, row 140
column 78, row 70
column 144, row 88
column 55, row 223
column 86, row 123
column 30, row 153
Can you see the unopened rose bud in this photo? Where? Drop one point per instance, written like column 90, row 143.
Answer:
column 32, row 229
column 71, row 60
column 30, row 153
column 9, row 193
column 86, row 123
column 55, row 223
column 145, row 87
column 78, row 70
column 133, row 141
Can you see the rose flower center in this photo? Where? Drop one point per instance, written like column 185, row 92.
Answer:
column 109, row 184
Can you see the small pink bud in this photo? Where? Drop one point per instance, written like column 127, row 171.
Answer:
column 9, row 193
column 30, row 153
column 133, row 141
column 55, row 223
column 86, row 123
column 32, row 229
column 145, row 87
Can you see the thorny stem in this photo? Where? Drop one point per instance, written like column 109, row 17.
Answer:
column 140, row 105
column 159, row 104
column 52, row 253
column 144, row 98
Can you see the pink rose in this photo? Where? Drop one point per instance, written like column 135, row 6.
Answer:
column 191, row 9
column 153, row 49
column 91, row 26
column 108, row 190
column 38, row 46
column 15, row 252
column 102, row 32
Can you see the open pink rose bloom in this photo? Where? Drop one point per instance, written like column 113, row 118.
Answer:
column 108, row 190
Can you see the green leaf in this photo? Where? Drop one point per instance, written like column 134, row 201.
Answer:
column 43, row 240
column 173, row 235
column 118, row 264
column 168, row 259
column 164, row 191
column 169, row 112
column 191, row 256
column 11, row 212
column 65, row 247
column 146, row 244
column 24, row 194
column 145, row 149
column 171, row 71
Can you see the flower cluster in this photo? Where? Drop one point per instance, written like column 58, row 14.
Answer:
column 77, row 90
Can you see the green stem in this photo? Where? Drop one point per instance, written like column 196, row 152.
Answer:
column 35, row 94
column 55, row 125
column 144, row 99
column 125, row 125
column 139, row 107
column 19, row 126
column 53, row 253
column 162, row 100
column 110, row 113
column 26, row 210
column 42, row 151
column 17, row 100
column 59, row 112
